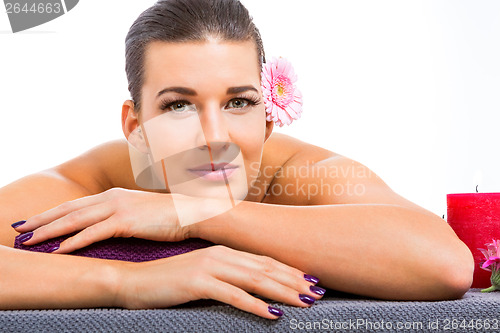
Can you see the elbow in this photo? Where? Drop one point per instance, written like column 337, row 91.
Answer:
column 459, row 273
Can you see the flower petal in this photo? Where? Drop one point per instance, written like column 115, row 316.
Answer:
column 294, row 109
column 492, row 261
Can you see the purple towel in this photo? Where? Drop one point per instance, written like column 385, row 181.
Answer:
column 125, row 249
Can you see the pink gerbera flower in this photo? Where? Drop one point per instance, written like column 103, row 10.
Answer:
column 282, row 99
column 492, row 264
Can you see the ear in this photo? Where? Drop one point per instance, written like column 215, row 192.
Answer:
column 132, row 128
column 130, row 119
column 269, row 129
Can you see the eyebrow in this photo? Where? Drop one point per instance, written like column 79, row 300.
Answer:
column 191, row 92
column 237, row 90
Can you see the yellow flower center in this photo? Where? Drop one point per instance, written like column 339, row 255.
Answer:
column 281, row 91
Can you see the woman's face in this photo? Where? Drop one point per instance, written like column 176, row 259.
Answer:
column 202, row 117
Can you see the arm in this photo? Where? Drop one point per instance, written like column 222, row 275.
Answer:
column 373, row 243
column 32, row 280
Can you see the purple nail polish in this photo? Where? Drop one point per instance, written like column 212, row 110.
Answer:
column 306, row 299
column 52, row 249
column 17, row 224
column 311, row 278
column 274, row 311
column 24, row 237
column 317, row 290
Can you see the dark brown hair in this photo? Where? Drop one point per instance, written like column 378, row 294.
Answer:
column 185, row 21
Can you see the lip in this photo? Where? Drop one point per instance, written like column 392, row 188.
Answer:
column 214, row 172
column 213, row 166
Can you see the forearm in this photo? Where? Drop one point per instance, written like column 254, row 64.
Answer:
column 383, row 251
column 32, row 280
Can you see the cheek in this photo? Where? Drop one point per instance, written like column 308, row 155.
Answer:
column 251, row 124
column 249, row 134
column 249, row 130
column 168, row 136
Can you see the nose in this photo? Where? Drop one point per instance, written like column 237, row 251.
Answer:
column 215, row 131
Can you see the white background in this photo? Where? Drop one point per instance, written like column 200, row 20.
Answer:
column 408, row 88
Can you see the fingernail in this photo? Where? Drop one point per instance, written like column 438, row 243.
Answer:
column 274, row 311
column 24, row 237
column 306, row 299
column 317, row 290
column 52, row 249
column 17, row 224
column 311, row 278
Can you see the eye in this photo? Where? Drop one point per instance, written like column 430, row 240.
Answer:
column 179, row 107
column 238, row 103
column 176, row 106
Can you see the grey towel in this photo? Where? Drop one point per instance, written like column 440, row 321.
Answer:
column 336, row 312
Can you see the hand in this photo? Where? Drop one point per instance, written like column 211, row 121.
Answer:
column 114, row 213
column 218, row 273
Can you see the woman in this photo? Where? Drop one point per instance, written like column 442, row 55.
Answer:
column 201, row 162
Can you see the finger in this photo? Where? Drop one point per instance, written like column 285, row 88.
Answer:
column 229, row 294
column 74, row 221
column 57, row 212
column 256, row 282
column 285, row 274
column 95, row 233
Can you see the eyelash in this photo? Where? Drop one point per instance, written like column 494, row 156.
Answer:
column 167, row 103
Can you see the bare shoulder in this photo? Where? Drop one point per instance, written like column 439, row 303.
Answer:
column 281, row 148
column 101, row 168
column 311, row 175
column 284, row 156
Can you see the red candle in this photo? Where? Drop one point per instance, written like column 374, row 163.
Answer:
column 475, row 218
